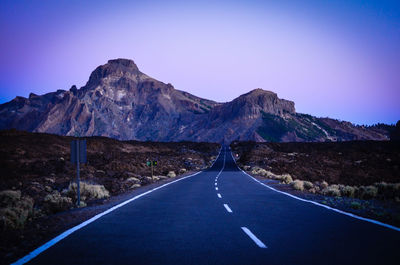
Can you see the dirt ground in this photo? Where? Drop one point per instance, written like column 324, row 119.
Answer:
column 37, row 165
column 349, row 163
column 356, row 163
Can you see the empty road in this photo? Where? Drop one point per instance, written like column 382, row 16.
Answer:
column 223, row 216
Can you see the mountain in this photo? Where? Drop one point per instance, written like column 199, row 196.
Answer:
column 120, row 101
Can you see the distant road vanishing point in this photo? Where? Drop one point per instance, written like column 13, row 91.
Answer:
column 221, row 216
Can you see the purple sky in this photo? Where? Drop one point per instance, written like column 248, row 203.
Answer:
column 332, row 58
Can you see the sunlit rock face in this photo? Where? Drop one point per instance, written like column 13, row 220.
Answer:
column 121, row 102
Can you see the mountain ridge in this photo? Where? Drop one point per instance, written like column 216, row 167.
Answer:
column 121, row 102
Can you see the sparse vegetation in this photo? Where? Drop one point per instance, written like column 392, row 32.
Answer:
column 88, row 191
column 348, row 191
column 284, row 178
column 308, row 185
column 355, row 205
column 332, row 190
column 298, row 185
column 171, row 174
column 55, row 202
column 367, row 192
column 14, row 209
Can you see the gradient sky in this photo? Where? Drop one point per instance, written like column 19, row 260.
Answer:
column 339, row 59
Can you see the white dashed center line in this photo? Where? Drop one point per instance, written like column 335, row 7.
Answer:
column 227, row 208
column 215, row 183
column 216, row 188
column 219, row 195
column 254, row 238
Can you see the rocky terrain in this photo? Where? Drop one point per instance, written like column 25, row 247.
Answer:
column 37, row 180
column 357, row 176
column 121, row 102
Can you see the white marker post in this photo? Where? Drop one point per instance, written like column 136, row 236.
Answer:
column 78, row 155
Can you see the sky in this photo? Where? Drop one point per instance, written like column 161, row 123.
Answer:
column 338, row 59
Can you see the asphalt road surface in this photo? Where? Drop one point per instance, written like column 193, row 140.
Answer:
column 222, row 216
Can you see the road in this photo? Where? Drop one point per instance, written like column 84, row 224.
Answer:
column 222, row 216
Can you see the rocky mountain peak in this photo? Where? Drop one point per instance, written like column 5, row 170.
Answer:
column 120, row 62
column 116, row 68
column 263, row 100
column 259, row 91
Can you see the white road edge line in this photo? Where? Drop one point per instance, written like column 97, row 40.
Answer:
column 253, row 237
column 322, row 205
column 219, row 195
column 227, row 208
column 60, row 237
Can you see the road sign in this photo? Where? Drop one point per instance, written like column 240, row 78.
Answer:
column 81, row 154
column 151, row 163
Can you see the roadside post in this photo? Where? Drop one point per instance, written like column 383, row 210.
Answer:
column 78, row 155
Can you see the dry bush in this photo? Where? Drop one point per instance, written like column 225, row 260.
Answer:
column 367, row 192
column 388, row 190
column 332, row 190
column 348, row 191
column 133, row 180
column 171, row 174
column 88, row 191
column 55, row 202
column 259, row 171
column 15, row 209
column 355, row 205
column 9, row 197
column 134, row 186
column 182, row 170
column 308, row 185
column 324, row 184
column 285, row 178
column 246, row 168
column 298, row 185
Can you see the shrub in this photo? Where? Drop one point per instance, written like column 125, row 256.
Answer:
column 348, row 191
column 15, row 210
column 134, row 186
column 171, row 174
column 324, row 184
column 332, row 190
column 88, row 191
column 9, row 197
column 388, row 190
column 259, row 171
column 286, row 178
column 55, row 202
column 368, row 192
column 133, row 179
column 312, row 190
column 182, row 170
column 308, row 185
column 246, row 168
column 298, row 185
column 355, row 205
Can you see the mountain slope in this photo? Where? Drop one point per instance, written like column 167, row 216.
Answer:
column 118, row 101
column 121, row 102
